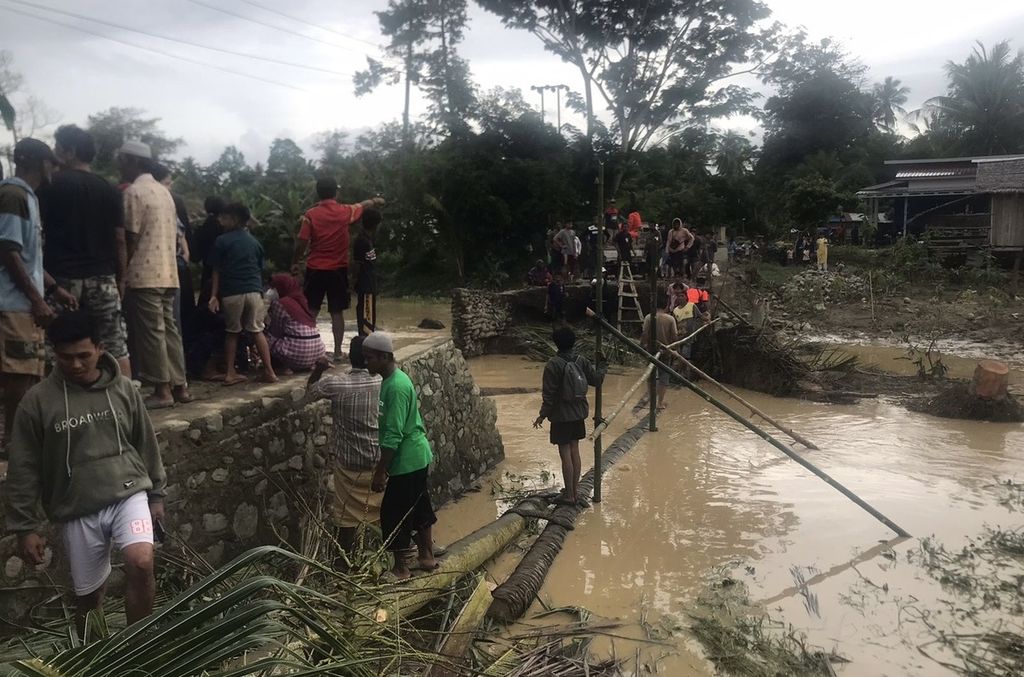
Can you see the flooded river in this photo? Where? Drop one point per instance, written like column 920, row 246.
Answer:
column 703, row 493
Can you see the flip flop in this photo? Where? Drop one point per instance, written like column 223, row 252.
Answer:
column 238, row 379
column 152, row 403
column 390, row 577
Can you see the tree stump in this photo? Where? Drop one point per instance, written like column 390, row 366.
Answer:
column 991, row 379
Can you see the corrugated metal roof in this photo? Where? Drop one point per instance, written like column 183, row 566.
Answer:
column 947, row 173
column 1001, row 177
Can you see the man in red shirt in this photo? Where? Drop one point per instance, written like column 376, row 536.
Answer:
column 324, row 234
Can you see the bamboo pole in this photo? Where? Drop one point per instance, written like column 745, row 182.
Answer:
column 652, row 279
column 638, row 349
column 753, row 410
column 603, row 425
column 691, row 336
column 598, row 334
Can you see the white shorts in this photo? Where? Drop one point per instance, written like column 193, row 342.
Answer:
column 87, row 539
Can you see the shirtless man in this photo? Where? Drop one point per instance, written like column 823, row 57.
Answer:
column 680, row 240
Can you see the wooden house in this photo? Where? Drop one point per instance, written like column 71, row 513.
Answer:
column 961, row 204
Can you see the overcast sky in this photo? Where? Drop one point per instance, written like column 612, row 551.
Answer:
column 77, row 73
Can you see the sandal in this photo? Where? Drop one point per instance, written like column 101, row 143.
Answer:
column 390, row 577
column 153, row 403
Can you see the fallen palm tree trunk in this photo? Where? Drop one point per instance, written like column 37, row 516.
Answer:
column 458, row 639
column 465, row 555
column 753, row 410
column 513, row 597
column 784, row 448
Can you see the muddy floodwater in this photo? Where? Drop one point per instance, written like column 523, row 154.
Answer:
column 703, row 494
column 400, row 316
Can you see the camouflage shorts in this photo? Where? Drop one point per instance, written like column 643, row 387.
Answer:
column 21, row 345
column 98, row 296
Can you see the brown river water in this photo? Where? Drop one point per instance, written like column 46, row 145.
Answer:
column 703, row 497
column 703, row 493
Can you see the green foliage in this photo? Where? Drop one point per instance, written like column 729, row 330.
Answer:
column 983, row 110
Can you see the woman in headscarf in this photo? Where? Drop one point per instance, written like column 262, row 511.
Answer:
column 291, row 330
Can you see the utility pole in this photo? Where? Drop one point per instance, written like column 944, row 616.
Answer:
column 558, row 92
column 599, row 330
column 557, row 89
column 540, row 88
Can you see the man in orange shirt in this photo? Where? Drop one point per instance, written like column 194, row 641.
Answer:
column 324, row 234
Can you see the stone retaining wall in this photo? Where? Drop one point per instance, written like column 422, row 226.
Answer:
column 240, row 466
column 481, row 320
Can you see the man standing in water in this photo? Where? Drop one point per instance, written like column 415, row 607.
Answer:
column 567, row 377
column 83, row 445
column 664, row 333
column 405, row 456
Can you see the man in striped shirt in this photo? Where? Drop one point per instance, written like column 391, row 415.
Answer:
column 354, row 445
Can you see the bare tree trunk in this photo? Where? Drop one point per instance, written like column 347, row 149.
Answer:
column 406, row 139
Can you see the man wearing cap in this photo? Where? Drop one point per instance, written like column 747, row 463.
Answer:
column 84, row 247
column 23, row 311
column 405, row 457
column 323, row 233
column 151, row 226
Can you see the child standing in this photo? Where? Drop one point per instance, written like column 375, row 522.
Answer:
column 556, row 298
column 823, row 254
column 237, row 259
column 364, row 272
column 566, row 379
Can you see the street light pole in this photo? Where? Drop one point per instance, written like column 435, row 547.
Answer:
column 540, row 89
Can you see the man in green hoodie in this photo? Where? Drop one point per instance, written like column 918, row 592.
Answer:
column 83, row 448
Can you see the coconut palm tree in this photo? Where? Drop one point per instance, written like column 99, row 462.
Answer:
column 888, row 98
column 984, row 104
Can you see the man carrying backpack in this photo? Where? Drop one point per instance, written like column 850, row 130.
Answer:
column 567, row 377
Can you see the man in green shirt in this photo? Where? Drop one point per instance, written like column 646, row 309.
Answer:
column 405, row 457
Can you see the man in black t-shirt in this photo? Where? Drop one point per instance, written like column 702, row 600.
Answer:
column 364, row 273
column 84, row 245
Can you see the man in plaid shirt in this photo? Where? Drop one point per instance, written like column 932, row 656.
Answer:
column 354, row 445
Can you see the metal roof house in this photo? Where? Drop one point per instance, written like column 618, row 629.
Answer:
column 961, row 203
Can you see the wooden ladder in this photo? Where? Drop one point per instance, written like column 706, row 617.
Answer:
column 629, row 310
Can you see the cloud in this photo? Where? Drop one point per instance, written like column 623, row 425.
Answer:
column 78, row 73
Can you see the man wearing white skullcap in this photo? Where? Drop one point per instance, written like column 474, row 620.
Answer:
column 405, row 456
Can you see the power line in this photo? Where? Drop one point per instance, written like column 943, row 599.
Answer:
column 178, row 40
column 310, row 23
column 273, row 26
column 148, row 49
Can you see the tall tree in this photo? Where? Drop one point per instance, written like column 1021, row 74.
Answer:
column 423, row 37
column 112, row 127
column 888, row 99
column 286, row 159
column 984, row 104
column 657, row 66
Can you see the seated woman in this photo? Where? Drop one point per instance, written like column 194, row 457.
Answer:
column 295, row 342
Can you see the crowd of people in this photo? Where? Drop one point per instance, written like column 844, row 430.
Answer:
column 98, row 277
column 684, row 253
